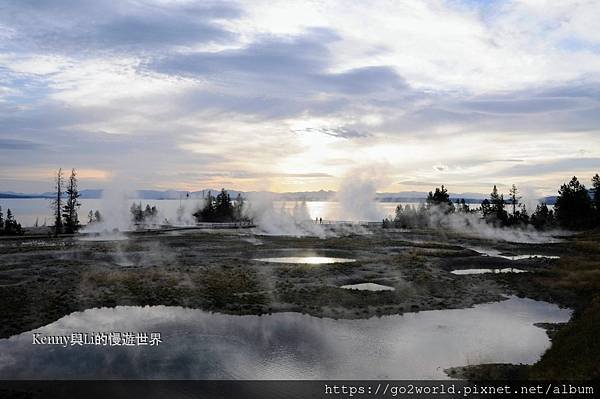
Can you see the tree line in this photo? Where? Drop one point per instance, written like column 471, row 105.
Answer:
column 216, row 209
column 143, row 216
column 66, row 203
column 221, row 209
column 576, row 208
column 65, row 206
column 94, row 217
column 9, row 226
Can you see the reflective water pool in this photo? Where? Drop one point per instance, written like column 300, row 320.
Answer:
column 202, row 345
column 484, row 271
column 368, row 287
column 311, row 260
column 109, row 236
column 497, row 254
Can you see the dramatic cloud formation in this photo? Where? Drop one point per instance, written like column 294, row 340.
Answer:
column 291, row 96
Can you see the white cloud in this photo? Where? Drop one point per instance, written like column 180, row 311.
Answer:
column 303, row 91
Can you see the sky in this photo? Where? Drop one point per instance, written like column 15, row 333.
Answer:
column 300, row 95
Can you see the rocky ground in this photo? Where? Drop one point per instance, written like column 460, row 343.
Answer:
column 44, row 278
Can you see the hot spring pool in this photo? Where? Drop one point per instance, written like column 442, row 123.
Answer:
column 203, row 345
column 309, row 260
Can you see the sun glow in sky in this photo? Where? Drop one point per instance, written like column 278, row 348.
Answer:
column 297, row 95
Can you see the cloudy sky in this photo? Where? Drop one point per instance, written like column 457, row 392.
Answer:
column 298, row 95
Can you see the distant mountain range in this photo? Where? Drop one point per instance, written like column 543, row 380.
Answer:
column 321, row 195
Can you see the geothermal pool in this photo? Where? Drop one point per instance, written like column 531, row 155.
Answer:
column 310, row 260
column 108, row 236
column 202, row 345
column 484, row 271
column 368, row 287
column 497, row 254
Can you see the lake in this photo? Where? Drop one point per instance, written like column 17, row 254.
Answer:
column 203, row 345
column 28, row 210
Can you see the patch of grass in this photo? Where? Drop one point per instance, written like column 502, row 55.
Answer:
column 319, row 297
column 413, row 258
column 29, row 306
column 587, row 246
column 152, row 292
column 573, row 274
column 223, row 288
column 489, row 372
column 140, row 287
column 575, row 351
column 574, row 281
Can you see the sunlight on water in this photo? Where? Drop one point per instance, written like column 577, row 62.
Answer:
column 28, row 210
column 112, row 236
column 483, row 271
column 497, row 254
column 310, row 260
column 519, row 257
column 368, row 287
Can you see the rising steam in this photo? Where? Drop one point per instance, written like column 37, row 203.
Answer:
column 357, row 193
column 271, row 221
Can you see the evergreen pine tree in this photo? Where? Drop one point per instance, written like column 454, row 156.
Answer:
column 224, row 207
column 574, row 206
column 441, row 199
column 207, row 213
column 497, row 206
column 238, row 213
column 486, row 208
column 137, row 214
column 514, row 198
column 541, row 217
column 596, row 199
column 11, row 226
column 71, row 219
column 57, row 203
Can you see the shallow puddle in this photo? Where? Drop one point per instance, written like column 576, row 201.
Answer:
column 368, row 287
column 310, row 260
column 497, row 254
column 518, row 257
column 103, row 237
column 202, row 345
column 484, row 271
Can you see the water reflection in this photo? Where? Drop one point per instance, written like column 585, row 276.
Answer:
column 106, row 236
column 201, row 345
column 311, row 260
column 497, row 254
column 484, row 271
column 368, row 287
